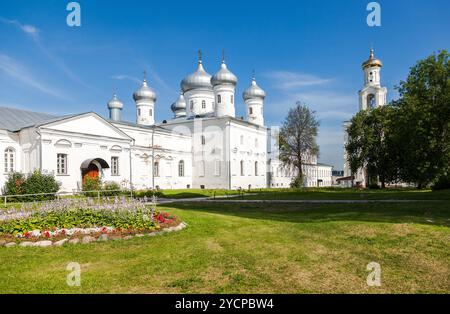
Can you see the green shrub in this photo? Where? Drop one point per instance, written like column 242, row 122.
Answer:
column 37, row 183
column 147, row 193
column 111, row 189
column 297, row 182
column 92, row 184
column 13, row 185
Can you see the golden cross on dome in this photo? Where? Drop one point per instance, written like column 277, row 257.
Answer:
column 199, row 55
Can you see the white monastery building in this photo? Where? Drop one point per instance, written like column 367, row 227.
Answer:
column 203, row 146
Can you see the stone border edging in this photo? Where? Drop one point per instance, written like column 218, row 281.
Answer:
column 89, row 239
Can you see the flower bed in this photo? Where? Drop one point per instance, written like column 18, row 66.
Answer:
column 76, row 218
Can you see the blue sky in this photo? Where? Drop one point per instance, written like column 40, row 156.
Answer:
column 301, row 50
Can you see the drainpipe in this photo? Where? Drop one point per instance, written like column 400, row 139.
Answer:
column 229, row 154
column 38, row 131
column 152, row 167
column 131, row 168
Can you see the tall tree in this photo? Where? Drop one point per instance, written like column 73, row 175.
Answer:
column 423, row 128
column 297, row 138
column 370, row 145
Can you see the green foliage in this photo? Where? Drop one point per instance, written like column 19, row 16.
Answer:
column 92, row 184
column 13, row 185
column 297, row 182
column 370, row 145
column 297, row 137
column 40, row 183
column 80, row 218
column 423, row 130
column 111, row 189
column 35, row 183
column 408, row 141
column 148, row 193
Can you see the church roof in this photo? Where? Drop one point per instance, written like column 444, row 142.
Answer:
column 13, row 119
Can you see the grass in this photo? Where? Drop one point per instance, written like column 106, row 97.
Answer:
column 255, row 248
column 195, row 193
column 347, row 194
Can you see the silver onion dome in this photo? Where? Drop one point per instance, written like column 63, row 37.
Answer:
column 115, row 103
column 179, row 105
column 224, row 76
column 199, row 79
column 254, row 91
column 144, row 92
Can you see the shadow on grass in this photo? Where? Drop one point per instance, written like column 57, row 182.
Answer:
column 433, row 213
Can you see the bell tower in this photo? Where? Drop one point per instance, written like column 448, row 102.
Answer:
column 373, row 94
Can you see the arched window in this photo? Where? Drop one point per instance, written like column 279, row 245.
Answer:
column 219, row 99
column 139, row 112
column 191, row 104
column 10, row 158
column 242, row 167
column 203, row 140
column 181, row 168
column 203, row 104
column 232, row 98
column 371, row 103
column 256, row 168
column 250, row 110
column 151, row 112
column 156, row 169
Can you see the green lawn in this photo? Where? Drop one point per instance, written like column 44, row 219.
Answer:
column 347, row 194
column 249, row 248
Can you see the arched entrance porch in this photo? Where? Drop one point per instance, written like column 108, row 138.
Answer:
column 92, row 168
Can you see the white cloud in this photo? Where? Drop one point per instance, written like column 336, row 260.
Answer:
column 34, row 32
column 332, row 105
column 125, row 77
column 15, row 70
column 286, row 80
column 27, row 29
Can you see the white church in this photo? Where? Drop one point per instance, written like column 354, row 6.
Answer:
column 203, row 146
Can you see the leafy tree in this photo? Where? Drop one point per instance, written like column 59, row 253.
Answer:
column 297, row 138
column 423, row 121
column 370, row 145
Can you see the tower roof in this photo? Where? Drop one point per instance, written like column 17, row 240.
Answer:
column 115, row 103
column 224, row 76
column 179, row 105
column 199, row 79
column 372, row 61
column 254, row 91
column 144, row 92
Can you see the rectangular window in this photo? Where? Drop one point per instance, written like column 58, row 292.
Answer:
column 61, row 166
column 217, row 168
column 156, row 169
column 169, row 169
column 115, row 166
